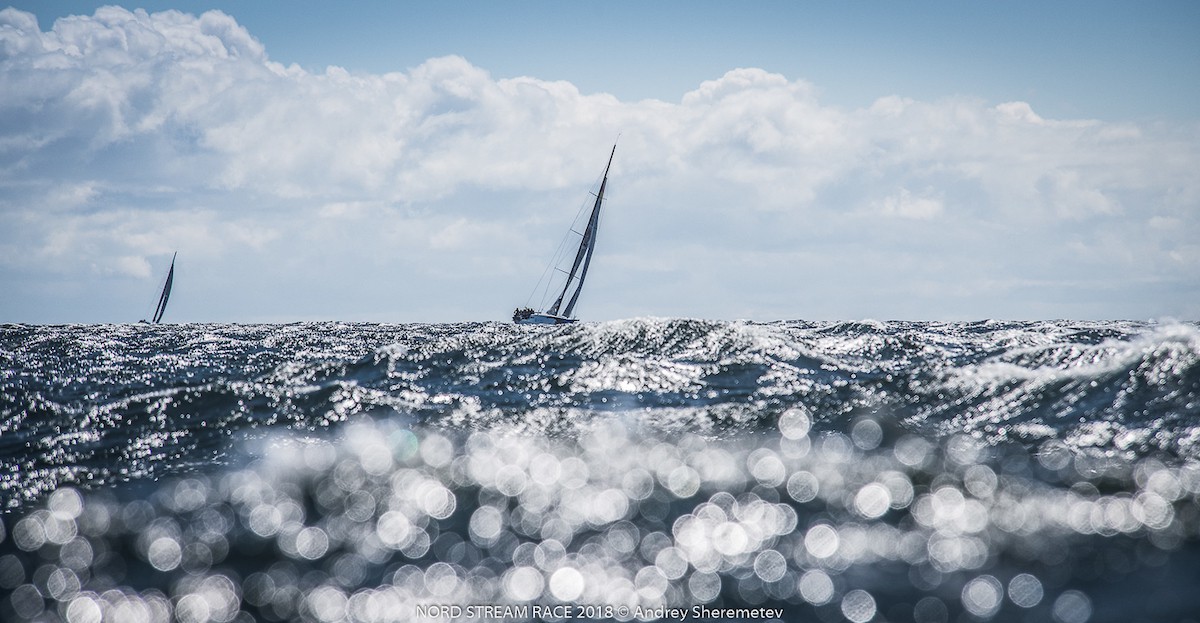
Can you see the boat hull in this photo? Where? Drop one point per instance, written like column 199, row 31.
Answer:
column 546, row 319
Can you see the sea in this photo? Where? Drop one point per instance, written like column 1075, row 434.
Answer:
column 651, row 469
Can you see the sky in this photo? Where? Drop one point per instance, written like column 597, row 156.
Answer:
column 420, row 162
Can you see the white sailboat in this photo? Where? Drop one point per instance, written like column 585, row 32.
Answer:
column 562, row 310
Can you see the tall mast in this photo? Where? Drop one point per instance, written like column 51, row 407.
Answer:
column 584, row 254
column 166, row 292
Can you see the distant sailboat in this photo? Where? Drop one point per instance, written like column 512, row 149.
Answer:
column 166, row 293
column 558, row 313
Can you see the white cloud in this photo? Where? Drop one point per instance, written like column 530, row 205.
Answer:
column 134, row 266
column 904, row 204
column 127, row 135
column 1020, row 112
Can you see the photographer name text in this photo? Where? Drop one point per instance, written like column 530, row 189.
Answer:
column 574, row 611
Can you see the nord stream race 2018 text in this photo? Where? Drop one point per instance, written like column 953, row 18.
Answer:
column 572, row 611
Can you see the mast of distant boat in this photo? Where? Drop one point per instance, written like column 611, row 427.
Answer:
column 166, row 292
column 586, row 246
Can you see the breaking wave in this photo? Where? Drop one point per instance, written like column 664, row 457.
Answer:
column 78, row 400
column 923, row 472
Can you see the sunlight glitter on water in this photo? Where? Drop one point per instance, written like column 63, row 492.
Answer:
column 366, row 527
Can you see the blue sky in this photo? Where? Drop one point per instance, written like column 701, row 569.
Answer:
column 929, row 160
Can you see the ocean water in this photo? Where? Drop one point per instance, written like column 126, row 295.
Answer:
column 645, row 469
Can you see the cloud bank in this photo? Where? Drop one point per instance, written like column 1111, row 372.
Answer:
column 437, row 193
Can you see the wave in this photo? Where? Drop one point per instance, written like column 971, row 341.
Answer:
column 386, row 521
column 102, row 402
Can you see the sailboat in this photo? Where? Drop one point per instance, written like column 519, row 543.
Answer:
column 166, row 293
column 562, row 311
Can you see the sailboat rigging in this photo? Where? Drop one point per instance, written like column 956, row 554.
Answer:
column 166, row 293
column 558, row 312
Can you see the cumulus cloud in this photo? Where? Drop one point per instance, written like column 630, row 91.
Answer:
column 127, row 135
